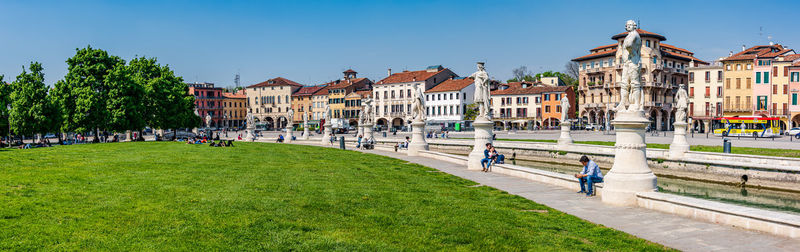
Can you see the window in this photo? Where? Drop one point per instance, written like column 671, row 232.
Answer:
column 708, row 76
column 738, row 67
column 647, row 42
column 785, row 89
column 758, row 77
column 728, row 83
column 774, row 71
column 691, row 92
column 708, row 91
column 738, row 83
column 795, row 77
column 785, row 71
column 691, row 77
column 749, row 80
column 766, row 77
column 774, row 89
column 749, row 66
column 719, row 91
column 794, row 99
column 719, row 76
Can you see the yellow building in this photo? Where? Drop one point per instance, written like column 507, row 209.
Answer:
column 234, row 109
column 739, row 74
column 302, row 103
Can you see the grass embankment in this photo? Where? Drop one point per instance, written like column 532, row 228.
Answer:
column 703, row 148
column 173, row 196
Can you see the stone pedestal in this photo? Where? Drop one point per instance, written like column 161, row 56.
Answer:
column 417, row 139
column 483, row 135
column 565, row 139
column 128, row 136
column 250, row 136
column 679, row 145
column 305, row 133
column 289, row 133
column 326, row 136
column 630, row 173
column 367, row 131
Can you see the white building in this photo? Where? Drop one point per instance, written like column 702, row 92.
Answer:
column 394, row 94
column 705, row 94
column 445, row 103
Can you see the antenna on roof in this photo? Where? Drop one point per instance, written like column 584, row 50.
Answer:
column 236, row 80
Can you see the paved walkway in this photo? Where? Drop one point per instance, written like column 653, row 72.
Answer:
column 667, row 229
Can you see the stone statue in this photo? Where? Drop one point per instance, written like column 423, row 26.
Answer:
column 197, row 113
column 564, row 108
column 327, row 113
column 418, row 106
column 367, row 110
column 250, row 121
column 305, row 119
column 290, row 117
column 631, row 86
column 208, row 120
column 682, row 103
column 481, row 92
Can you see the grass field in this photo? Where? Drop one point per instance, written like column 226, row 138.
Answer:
column 703, row 148
column 173, row 196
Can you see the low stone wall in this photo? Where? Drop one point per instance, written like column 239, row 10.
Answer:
column 762, row 171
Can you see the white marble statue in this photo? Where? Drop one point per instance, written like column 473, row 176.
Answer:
column 481, row 91
column 564, row 109
column 367, row 110
column 290, row 117
column 305, row 119
column 250, row 121
column 630, row 85
column 208, row 120
column 418, row 106
column 681, row 104
column 326, row 114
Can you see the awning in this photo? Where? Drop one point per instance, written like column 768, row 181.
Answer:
column 519, row 121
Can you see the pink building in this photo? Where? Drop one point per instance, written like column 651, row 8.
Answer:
column 794, row 92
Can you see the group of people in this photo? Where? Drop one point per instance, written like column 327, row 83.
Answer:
column 443, row 134
column 367, row 144
column 221, row 143
column 402, row 145
column 490, row 156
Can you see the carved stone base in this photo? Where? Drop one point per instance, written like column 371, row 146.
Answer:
column 368, row 131
column 326, row 136
column 289, row 134
column 565, row 139
column 417, row 139
column 305, row 133
column 250, row 136
column 630, row 173
column 483, row 135
column 679, row 145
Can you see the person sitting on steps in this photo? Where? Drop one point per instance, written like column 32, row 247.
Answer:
column 589, row 175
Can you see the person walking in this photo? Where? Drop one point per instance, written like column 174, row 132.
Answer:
column 589, row 175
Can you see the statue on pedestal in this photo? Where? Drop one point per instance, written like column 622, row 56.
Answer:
column 564, row 108
column 681, row 104
column 367, row 110
column 418, row 106
column 326, row 114
column 250, row 121
column 481, row 92
column 305, row 119
column 289, row 118
column 631, row 85
column 208, row 120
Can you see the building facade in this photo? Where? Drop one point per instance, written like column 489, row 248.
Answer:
column 778, row 98
column 742, row 98
column 338, row 90
column 395, row 94
column 352, row 105
column 270, row 101
column 706, row 91
column 208, row 102
column 302, row 103
column 664, row 69
column 526, row 105
column 318, row 102
column 446, row 103
column 234, row 109
column 794, row 92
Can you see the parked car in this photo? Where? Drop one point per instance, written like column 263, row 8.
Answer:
column 793, row 131
column 592, row 126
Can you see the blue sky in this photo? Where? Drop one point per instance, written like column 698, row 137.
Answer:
column 312, row 42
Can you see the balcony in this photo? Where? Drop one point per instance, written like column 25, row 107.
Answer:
column 740, row 107
column 593, row 70
column 398, row 114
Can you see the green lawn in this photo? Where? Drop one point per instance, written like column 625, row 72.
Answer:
column 173, row 196
column 704, row 148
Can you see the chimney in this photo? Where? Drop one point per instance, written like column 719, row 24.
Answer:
column 744, row 48
column 414, row 78
column 389, row 72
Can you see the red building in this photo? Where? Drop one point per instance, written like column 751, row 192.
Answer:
column 208, row 101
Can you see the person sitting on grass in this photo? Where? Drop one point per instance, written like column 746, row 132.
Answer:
column 211, row 143
column 280, row 138
column 230, row 143
column 591, row 174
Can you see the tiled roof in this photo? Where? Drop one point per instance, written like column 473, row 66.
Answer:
column 349, row 71
column 239, row 95
column 642, row 33
column 274, row 82
column 322, row 91
column 515, row 88
column 756, row 51
column 409, row 76
column 676, row 48
column 596, row 55
column 681, row 56
column 791, row 57
column 308, row 90
column 345, row 83
column 604, row 47
column 451, row 85
column 364, row 93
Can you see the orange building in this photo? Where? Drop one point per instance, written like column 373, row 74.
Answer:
column 551, row 104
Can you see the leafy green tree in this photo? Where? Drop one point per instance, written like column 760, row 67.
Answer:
column 86, row 90
column 471, row 112
column 168, row 104
column 31, row 112
column 125, row 102
column 5, row 102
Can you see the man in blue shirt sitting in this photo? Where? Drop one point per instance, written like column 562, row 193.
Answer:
column 591, row 174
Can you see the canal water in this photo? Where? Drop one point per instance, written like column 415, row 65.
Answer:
column 783, row 201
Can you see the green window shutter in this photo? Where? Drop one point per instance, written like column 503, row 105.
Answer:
column 766, row 77
column 794, row 99
column 758, row 77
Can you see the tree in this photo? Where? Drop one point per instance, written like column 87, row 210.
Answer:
column 83, row 96
column 471, row 112
column 168, row 104
column 125, row 100
column 5, row 102
column 520, row 73
column 31, row 112
column 572, row 70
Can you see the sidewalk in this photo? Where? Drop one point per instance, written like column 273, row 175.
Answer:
column 670, row 230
